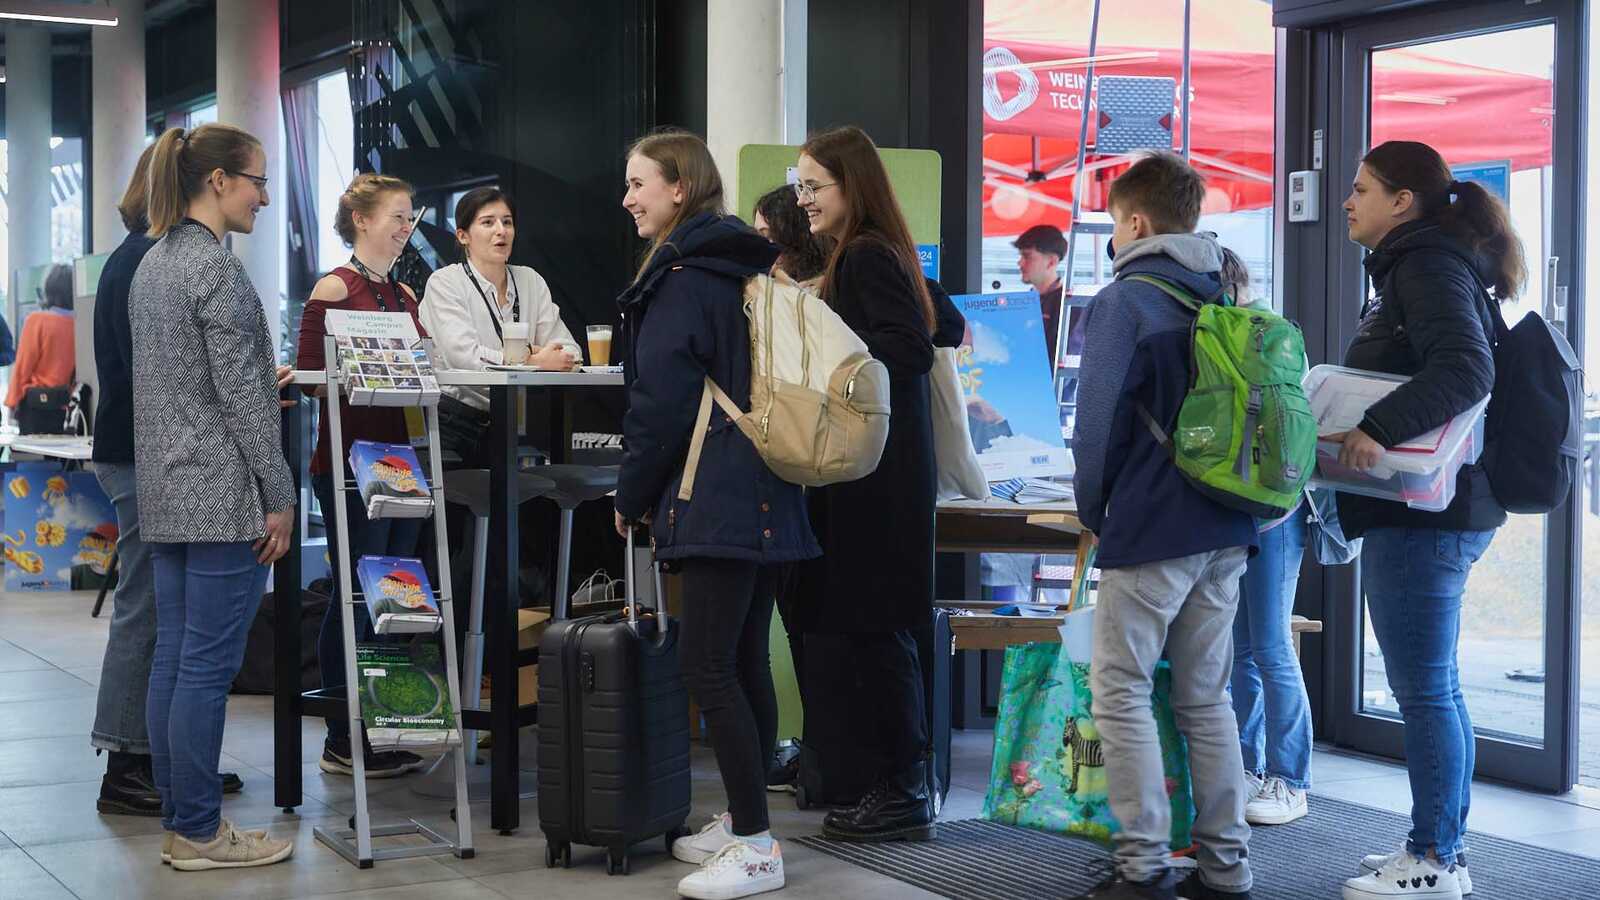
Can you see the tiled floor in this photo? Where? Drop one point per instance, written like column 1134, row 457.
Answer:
column 54, row 845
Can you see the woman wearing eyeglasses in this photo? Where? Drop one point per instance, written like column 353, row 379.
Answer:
column 216, row 500
column 467, row 308
column 375, row 220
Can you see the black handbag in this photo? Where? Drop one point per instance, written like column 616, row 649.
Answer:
column 43, row 410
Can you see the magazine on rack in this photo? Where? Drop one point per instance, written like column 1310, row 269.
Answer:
column 405, row 697
column 382, row 360
column 391, row 480
column 399, row 597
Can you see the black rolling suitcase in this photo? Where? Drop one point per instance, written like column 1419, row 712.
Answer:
column 835, row 769
column 613, row 732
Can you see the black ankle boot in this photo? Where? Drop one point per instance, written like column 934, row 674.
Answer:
column 127, row 789
column 897, row 809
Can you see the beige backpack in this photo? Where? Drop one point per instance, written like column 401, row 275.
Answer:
column 819, row 402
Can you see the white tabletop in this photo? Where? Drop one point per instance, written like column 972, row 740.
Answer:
column 467, row 378
column 53, row 446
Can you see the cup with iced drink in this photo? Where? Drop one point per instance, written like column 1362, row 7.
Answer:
column 599, row 345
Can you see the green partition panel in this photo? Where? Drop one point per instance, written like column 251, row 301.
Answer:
column 785, row 680
column 913, row 173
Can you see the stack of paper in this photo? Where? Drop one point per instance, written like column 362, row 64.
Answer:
column 391, row 480
column 399, row 597
column 1031, row 490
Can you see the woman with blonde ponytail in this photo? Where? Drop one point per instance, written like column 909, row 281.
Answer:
column 216, row 500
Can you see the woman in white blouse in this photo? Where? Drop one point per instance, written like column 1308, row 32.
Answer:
column 466, row 306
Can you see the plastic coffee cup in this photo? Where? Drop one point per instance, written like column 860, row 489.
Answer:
column 516, row 342
column 600, row 345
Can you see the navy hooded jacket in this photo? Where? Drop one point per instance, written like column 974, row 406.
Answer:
column 1137, row 351
column 682, row 320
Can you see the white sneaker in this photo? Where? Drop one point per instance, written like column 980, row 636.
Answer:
column 1378, row 860
column 1253, row 784
column 701, row 846
column 1405, row 876
column 1276, row 804
column 737, row 870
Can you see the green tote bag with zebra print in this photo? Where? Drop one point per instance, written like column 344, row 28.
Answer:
column 1049, row 768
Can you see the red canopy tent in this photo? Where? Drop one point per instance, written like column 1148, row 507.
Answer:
column 1035, row 63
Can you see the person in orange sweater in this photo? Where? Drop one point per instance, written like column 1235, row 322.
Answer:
column 45, row 357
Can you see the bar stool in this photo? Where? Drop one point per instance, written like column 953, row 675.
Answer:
column 470, row 488
column 575, row 485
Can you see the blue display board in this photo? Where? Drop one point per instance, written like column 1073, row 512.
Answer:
column 1494, row 176
column 1011, row 413
column 60, row 529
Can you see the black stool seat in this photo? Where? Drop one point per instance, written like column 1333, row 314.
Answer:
column 470, row 488
column 576, row 485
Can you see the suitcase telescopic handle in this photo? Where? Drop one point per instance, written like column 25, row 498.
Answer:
column 631, row 596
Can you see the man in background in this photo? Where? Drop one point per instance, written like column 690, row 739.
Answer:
column 1040, row 250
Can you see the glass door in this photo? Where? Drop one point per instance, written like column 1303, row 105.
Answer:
column 1495, row 90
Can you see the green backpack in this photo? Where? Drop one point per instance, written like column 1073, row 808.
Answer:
column 1245, row 437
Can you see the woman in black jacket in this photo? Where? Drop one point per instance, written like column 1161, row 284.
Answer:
column 873, row 586
column 1437, row 246
column 683, row 321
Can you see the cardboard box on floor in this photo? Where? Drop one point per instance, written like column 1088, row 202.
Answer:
column 531, row 624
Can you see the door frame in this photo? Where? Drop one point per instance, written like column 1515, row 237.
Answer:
column 1553, row 766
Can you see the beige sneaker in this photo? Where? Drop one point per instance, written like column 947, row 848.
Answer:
column 230, row 849
column 166, row 844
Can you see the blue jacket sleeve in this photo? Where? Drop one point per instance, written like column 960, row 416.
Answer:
column 8, row 346
column 1103, row 432
column 672, row 355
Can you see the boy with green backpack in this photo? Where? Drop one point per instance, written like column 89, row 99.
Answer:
column 1190, row 424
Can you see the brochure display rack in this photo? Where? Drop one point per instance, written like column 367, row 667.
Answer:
column 366, row 674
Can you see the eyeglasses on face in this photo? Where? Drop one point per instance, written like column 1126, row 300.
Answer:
column 808, row 192
column 260, row 181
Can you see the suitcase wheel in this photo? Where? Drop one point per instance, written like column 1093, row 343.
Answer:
column 617, row 862
column 801, row 800
column 557, row 851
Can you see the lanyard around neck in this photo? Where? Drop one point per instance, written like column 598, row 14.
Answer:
column 366, row 273
column 494, row 313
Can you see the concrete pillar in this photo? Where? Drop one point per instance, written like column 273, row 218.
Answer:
column 119, row 104
column 744, row 82
column 247, row 97
column 27, row 148
column 117, row 64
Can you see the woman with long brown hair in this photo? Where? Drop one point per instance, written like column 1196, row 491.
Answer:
column 683, row 322
column 863, row 601
column 1438, row 247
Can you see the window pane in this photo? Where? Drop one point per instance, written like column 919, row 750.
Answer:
column 334, row 135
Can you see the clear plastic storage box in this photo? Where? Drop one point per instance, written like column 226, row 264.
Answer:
column 1421, row 473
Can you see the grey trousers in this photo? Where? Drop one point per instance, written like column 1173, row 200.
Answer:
column 1184, row 606
column 119, row 722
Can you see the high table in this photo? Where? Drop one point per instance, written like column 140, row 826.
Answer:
column 998, row 526
column 503, row 719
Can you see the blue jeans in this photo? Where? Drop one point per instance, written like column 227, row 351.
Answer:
column 1413, row 579
column 368, row 537
column 207, row 595
column 1269, row 693
column 119, row 721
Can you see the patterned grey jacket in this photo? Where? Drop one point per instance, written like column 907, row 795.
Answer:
column 207, row 454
